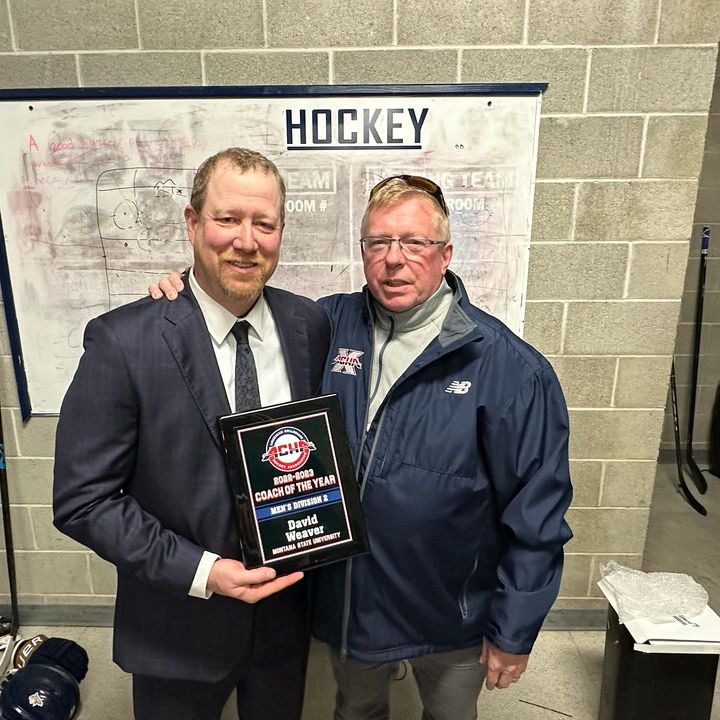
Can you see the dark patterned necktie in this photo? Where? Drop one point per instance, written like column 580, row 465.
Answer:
column 247, row 393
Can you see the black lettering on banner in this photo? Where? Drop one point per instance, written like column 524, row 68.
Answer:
column 342, row 138
column 375, row 128
column 290, row 126
column 326, row 125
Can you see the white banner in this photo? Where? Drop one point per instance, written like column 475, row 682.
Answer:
column 92, row 193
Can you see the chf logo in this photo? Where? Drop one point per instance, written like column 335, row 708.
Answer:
column 347, row 361
column 35, row 700
column 458, row 387
column 287, row 449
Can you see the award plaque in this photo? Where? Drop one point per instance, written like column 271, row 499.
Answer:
column 293, row 483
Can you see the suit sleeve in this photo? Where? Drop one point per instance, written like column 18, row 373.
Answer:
column 95, row 455
column 527, row 451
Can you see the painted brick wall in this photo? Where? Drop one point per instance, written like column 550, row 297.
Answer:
column 621, row 145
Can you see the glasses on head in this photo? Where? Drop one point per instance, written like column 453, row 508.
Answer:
column 380, row 244
column 418, row 182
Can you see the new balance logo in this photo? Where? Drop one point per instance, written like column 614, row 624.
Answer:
column 347, row 361
column 458, row 387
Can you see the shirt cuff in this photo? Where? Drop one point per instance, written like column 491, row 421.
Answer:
column 198, row 588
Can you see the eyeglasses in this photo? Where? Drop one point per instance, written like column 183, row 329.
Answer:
column 380, row 244
column 418, row 182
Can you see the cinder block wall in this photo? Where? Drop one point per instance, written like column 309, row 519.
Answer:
column 707, row 214
column 621, row 144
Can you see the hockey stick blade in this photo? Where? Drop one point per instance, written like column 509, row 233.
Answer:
column 695, row 473
column 682, row 485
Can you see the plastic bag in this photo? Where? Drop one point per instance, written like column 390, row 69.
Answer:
column 653, row 595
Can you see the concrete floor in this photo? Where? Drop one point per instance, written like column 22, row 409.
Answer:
column 562, row 680
column 564, row 675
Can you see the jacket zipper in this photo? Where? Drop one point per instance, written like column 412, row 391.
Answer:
column 348, row 566
column 372, row 394
column 463, row 594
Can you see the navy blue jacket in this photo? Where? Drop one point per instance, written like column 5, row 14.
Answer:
column 464, row 482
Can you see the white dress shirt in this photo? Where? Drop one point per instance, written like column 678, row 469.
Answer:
column 269, row 360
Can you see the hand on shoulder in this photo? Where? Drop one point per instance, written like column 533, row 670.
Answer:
column 168, row 287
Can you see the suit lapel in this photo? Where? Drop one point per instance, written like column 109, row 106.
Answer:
column 294, row 342
column 189, row 341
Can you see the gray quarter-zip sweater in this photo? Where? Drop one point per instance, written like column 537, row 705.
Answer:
column 400, row 337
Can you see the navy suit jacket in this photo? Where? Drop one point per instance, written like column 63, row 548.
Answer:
column 140, row 479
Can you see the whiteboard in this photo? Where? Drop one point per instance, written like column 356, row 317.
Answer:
column 93, row 185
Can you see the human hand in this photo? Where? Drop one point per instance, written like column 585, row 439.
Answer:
column 231, row 578
column 503, row 668
column 169, row 286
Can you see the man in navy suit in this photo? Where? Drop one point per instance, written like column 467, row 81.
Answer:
column 139, row 473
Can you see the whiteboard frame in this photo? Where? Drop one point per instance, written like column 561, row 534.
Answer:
column 217, row 91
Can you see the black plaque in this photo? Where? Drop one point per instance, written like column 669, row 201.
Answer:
column 293, row 484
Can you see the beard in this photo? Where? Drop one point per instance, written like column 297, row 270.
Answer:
column 248, row 289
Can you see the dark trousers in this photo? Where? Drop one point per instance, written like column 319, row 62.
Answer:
column 263, row 693
column 269, row 677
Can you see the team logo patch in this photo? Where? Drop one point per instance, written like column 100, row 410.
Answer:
column 35, row 700
column 347, row 361
column 458, row 387
column 287, row 449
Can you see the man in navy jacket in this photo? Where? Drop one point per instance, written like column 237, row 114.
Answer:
column 459, row 432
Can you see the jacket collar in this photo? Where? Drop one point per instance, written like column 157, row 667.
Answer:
column 294, row 340
column 457, row 326
column 189, row 342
